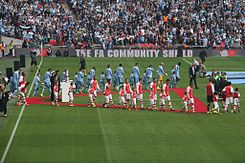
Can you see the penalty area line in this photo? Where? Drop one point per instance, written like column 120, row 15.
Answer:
column 19, row 118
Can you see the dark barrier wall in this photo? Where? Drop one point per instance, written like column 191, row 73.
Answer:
column 121, row 53
column 22, row 51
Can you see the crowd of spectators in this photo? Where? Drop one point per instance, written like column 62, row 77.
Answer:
column 37, row 20
column 164, row 23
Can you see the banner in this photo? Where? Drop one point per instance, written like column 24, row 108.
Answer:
column 139, row 53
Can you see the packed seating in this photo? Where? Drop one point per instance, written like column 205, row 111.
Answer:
column 165, row 23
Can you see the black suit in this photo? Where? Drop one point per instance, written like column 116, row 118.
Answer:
column 4, row 102
column 192, row 75
column 52, row 78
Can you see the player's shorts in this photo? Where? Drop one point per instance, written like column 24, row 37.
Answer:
column 80, row 84
column 134, row 101
column 71, row 98
column 95, row 93
column 228, row 100
column 149, row 79
column 210, row 99
column 110, row 97
column 120, row 80
column 47, row 84
column 140, row 96
column 162, row 101
column 107, row 99
column 127, row 96
column 216, row 105
column 167, row 98
column 185, row 104
column 36, row 87
column 236, row 101
column 152, row 101
column 191, row 101
column 90, row 97
column 136, row 79
column 121, row 100
column 56, row 94
column 155, row 97
column 16, row 85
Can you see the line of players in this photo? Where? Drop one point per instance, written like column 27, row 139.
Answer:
column 117, row 78
column 128, row 97
column 230, row 97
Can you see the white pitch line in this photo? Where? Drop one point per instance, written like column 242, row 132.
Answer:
column 186, row 61
column 19, row 118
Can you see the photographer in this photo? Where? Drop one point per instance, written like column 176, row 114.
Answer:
column 66, row 53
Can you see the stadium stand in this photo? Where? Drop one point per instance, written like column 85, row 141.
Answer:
column 109, row 23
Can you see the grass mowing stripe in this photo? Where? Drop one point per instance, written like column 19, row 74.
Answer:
column 186, row 61
column 104, row 137
column 19, row 118
column 106, row 142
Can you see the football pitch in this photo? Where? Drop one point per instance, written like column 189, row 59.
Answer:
column 82, row 134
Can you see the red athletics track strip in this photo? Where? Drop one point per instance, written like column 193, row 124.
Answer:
column 178, row 91
column 200, row 107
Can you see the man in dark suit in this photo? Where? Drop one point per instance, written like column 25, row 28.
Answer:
column 192, row 75
column 52, row 81
column 55, row 77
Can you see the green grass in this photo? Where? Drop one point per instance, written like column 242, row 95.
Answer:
column 80, row 134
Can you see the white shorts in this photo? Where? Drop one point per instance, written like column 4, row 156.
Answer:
column 121, row 100
column 95, row 93
column 127, row 96
column 155, row 97
column 228, row 100
column 236, row 101
column 110, row 97
column 90, row 97
column 191, row 101
column 56, row 94
column 140, row 96
column 71, row 98
column 162, row 101
column 216, row 105
column 152, row 101
column 185, row 104
column 134, row 101
column 107, row 99
column 167, row 98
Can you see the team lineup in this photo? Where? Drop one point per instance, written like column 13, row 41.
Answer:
column 130, row 90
